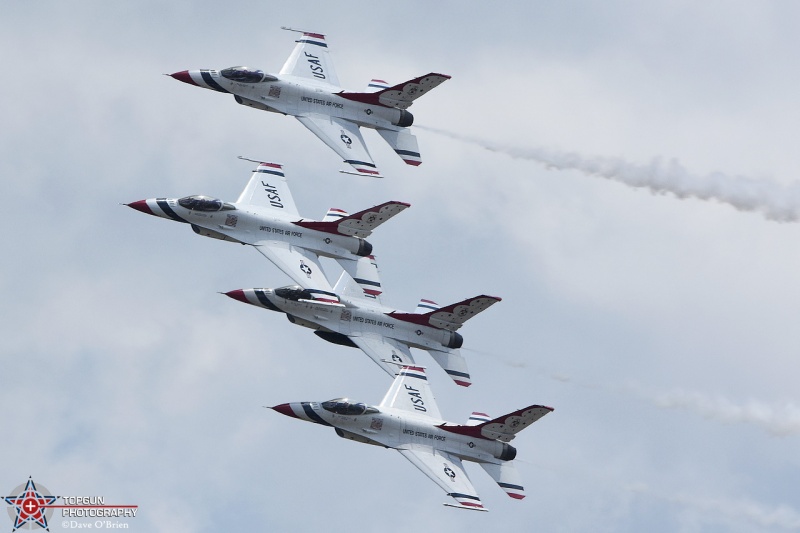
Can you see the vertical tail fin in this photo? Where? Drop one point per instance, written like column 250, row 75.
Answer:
column 426, row 306
column 476, row 419
column 334, row 214
column 376, row 85
column 507, row 476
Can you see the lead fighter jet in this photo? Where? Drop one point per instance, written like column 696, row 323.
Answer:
column 352, row 316
column 408, row 420
column 308, row 89
column 265, row 216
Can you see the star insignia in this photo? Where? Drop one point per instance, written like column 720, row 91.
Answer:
column 30, row 506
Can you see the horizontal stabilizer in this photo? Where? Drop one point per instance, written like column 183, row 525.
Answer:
column 503, row 428
column 507, row 476
column 364, row 271
column 401, row 95
column 359, row 224
column 404, row 143
column 454, row 364
column 450, row 317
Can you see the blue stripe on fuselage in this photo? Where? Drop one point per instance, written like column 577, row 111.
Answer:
column 312, row 415
column 211, row 83
column 265, row 301
column 162, row 203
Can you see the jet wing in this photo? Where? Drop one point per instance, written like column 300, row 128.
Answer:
column 344, row 138
column 411, row 392
column 310, row 60
column 450, row 317
column 268, row 188
column 381, row 349
column 446, row 470
column 359, row 224
column 298, row 263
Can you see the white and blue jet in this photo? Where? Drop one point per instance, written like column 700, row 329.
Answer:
column 265, row 216
column 408, row 420
column 308, row 89
column 353, row 316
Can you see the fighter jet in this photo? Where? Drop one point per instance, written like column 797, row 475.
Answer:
column 408, row 420
column 308, row 89
column 350, row 316
column 265, row 217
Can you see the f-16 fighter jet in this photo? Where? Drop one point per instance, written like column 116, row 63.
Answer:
column 307, row 88
column 351, row 316
column 265, row 216
column 408, row 420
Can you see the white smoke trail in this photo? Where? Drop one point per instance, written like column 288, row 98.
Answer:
column 775, row 201
column 779, row 420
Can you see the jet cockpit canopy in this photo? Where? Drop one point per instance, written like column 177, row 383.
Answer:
column 204, row 203
column 294, row 293
column 343, row 406
column 246, row 75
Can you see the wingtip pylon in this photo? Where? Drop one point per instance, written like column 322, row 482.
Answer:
column 369, row 175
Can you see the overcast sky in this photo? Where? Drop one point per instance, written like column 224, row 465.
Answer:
column 663, row 330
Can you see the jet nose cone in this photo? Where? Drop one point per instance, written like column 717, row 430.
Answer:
column 141, row 205
column 184, row 77
column 238, row 294
column 285, row 409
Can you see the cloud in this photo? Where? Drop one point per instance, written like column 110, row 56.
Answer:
column 732, row 510
column 780, row 420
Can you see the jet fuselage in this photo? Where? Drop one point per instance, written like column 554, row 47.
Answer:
column 250, row 224
column 296, row 96
column 396, row 428
column 350, row 319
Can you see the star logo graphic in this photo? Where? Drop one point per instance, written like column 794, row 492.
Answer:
column 31, row 506
column 305, row 269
